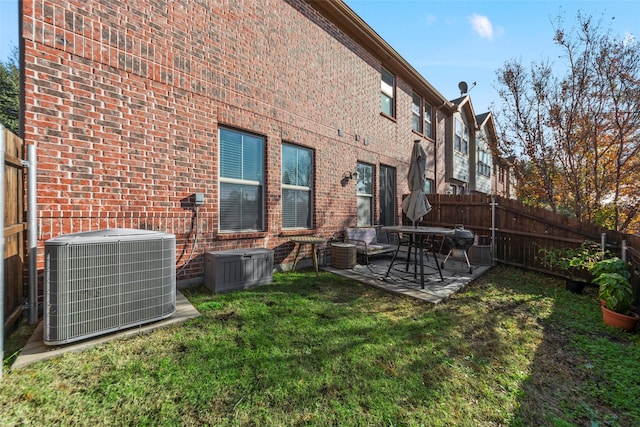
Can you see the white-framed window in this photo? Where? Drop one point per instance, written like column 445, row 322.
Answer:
column 417, row 123
column 484, row 159
column 297, row 187
column 428, row 123
column 461, row 140
column 484, row 169
column 387, row 93
column 465, row 140
column 241, row 181
column 428, row 186
column 421, row 116
column 364, row 194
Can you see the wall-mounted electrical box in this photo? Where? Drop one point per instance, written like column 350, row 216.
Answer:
column 198, row 199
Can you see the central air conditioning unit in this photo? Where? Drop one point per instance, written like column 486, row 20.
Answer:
column 103, row 281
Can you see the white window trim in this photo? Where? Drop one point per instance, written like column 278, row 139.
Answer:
column 369, row 196
column 388, row 90
column 417, row 111
column 464, row 137
column 246, row 182
column 239, row 181
column 427, row 124
column 308, row 189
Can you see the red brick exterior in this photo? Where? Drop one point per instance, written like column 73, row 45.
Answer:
column 124, row 100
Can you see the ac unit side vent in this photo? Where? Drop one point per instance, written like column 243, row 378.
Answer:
column 104, row 281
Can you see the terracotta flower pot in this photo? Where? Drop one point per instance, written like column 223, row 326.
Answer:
column 618, row 320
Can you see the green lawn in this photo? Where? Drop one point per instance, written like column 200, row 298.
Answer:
column 514, row 348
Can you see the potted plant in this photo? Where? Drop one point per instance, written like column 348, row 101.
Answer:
column 572, row 263
column 615, row 292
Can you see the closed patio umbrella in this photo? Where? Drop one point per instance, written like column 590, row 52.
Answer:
column 416, row 205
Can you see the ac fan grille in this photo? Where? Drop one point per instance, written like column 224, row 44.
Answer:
column 97, row 288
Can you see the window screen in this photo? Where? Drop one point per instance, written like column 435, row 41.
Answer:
column 365, row 194
column 297, row 178
column 241, row 181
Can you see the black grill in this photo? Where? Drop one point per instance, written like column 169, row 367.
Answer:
column 460, row 240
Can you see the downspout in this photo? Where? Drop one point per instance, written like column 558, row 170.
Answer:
column 437, row 136
column 493, row 230
column 434, row 129
column 435, row 165
column 32, row 240
column 2, row 284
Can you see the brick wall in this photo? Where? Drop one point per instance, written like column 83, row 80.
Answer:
column 124, row 101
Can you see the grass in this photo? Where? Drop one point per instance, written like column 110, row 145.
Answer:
column 514, row 348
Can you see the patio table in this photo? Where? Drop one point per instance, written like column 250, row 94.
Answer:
column 307, row 240
column 417, row 234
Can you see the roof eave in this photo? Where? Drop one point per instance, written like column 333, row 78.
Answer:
column 356, row 28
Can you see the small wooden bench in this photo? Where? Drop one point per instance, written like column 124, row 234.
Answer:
column 369, row 241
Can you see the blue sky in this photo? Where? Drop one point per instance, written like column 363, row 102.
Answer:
column 448, row 41
column 8, row 27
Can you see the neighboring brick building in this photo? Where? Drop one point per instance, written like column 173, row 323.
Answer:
column 262, row 106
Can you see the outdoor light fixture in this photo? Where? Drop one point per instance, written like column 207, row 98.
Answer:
column 350, row 175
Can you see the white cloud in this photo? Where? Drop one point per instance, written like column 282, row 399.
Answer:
column 481, row 26
column 430, row 19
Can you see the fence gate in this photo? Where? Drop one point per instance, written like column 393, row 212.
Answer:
column 14, row 230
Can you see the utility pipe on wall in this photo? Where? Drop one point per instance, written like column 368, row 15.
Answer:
column 2, row 281
column 32, row 239
column 493, row 229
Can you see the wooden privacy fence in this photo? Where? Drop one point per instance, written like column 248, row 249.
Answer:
column 520, row 231
column 15, row 229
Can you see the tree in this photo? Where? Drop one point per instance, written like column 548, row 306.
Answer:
column 578, row 133
column 10, row 93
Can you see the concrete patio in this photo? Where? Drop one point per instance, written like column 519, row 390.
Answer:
column 403, row 281
column 35, row 350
